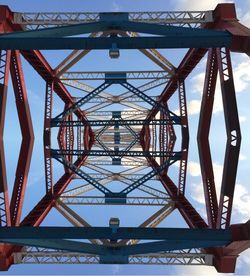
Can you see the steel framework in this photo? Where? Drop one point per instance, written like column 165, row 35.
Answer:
column 116, row 149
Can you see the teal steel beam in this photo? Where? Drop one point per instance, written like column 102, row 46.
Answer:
column 118, row 25
column 167, row 234
column 59, row 32
column 122, row 194
column 102, row 43
column 148, row 176
column 82, row 101
column 144, row 248
column 82, row 174
column 60, row 244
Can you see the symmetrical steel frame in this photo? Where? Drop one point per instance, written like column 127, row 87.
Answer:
column 139, row 139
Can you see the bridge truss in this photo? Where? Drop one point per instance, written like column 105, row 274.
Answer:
column 118, row 148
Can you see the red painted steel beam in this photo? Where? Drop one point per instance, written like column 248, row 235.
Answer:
column 61, row 137
column 185, row 137
column 147, row 138
column 225, row 18
column 88, row 137
column 191, row 216
column 5, row 219
column 225, row 257
column 38, row 214
column 65, row 137
column 190, row 60
column 70, row 137
column 24, row 116
column 40, row 64
column 47, row 138
column 203, row 140
column 233, row 138
column 167, row 137
column 163, row 138
column 37, row 60
column 171, row 136
column 241, row 238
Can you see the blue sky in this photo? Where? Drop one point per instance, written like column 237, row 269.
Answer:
column 36, row 88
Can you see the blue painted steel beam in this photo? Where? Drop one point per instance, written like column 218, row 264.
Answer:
column 82, row 101
column 117, row 25
column 167, row 234
column 154, row 247
column 102, row 43
column 148, row 176
column 60, row 244
column 82, row 174
column 145, row 97
column 103, row 250
column 60, row 158
column 59, row 32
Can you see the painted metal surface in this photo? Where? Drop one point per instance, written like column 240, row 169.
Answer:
column 141, row 139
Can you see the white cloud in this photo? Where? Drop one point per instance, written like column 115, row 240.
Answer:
column 199, row 270
column 242, row 76
column 242, row 157
column 115, row 269
column 197, row 4
column 241, row 81
column 241, row 201
column 244, row 258
column 197, row 82
column 197, row 87
column 242, row 119
column 193, row 107
column 246, row 19
column 194, row 168
column 198, row 193
column 115, row 7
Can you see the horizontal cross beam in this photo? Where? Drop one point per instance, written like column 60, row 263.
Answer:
column 119, row 153
column 99, row 200
column 41, row 19
column 175, row 120
column 167, row 234
column 111, row 75
column 80, row 43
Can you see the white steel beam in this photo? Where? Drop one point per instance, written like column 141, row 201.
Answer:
column 33, row 256
column 38, row 20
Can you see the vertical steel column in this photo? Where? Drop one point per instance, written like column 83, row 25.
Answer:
column 61, row 137
column 161, row 137
column 233, row 138
column 79, row 137
column 203, row 141
column 185, row 137
column 27, row 138
column 64, row 136
column 47, row 137
column 154, row 137
column 5, row 219
column 69, row 135
column 86, row 133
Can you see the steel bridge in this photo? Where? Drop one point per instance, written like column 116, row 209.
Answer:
column 118, row 148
